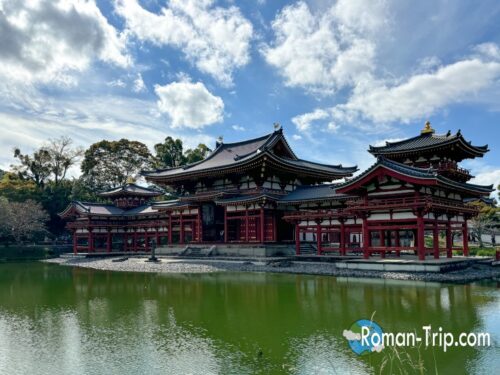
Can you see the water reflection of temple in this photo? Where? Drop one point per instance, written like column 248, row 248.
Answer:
column 222, row 313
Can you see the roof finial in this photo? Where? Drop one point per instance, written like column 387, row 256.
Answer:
column 277, row 126
column 427, row 128
column 219, row 141
column 130, row 180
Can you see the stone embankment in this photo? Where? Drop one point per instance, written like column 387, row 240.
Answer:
column 179, row 265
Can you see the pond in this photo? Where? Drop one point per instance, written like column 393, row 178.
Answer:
column 63, row 320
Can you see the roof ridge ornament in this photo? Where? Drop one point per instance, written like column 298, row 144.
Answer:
column 427, row 128
column 277, row 126
column 219, row 141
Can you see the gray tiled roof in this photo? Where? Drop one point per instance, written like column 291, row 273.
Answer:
column 86, row 208
column 227, row 155
column 427, row 141
column 313, row 193
column 131, row 190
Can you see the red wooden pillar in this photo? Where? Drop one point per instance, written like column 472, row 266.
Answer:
column 318, row 236
column 181, row 226
column 225, row 224
column 246, row 224
column 465, row 238
column 342, row 237
column 75, row 250
column 91, row 241
column 435, row 243
column 420, row 237
column 382, row 243
column 125, row 240
column 366, row 238
column 108, row 241
column 449, row 240
column 398, row 244
column 262, row 225
column 157, row 237
column 275, row 228
column 170, row 228
column 297, row 238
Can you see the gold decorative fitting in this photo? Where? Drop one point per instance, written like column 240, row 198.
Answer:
column 427, row 128
column 130, row 180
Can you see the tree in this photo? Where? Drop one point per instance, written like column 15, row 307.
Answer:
column 36, row 167
column 63, row 156
column 197, row 154
column 22, row 220
column 484, row 222
column 107, row 164
column 169, row 154
column 52, row 159
column 16, row 188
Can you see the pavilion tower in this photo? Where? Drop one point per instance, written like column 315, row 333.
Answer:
column 439, row 152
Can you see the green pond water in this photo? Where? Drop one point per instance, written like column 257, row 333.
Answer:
column 62, row 320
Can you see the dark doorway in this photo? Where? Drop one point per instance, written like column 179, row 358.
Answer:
column 285, row 230
column 212, row 219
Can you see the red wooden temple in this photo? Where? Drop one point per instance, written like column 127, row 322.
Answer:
column 259, row 192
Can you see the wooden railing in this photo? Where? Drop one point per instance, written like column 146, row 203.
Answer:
column 451, row 166
column 410, row 202
column 357, row 205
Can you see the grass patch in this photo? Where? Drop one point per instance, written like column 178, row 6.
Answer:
column 483, row 252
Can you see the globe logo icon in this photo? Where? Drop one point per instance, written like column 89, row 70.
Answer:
column 364, row 337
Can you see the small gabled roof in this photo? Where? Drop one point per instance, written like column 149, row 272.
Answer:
column 132, row 190
column 88, row 209
column 429, row 141
column 313, row 193
column 422, row 176
column 236, row 155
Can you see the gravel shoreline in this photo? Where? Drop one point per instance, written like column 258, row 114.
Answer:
column 178, row 265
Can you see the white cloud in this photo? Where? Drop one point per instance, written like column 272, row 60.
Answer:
column 403, row 100
column 488, row 176
column 189, row 104
column 116, row 83
column 215, row 39
column 320, row 117
column 45, row 41
column 139, row 85
column 420, row 95
column 325, row 52
column 303, row 122
column 296, row 137
column 86, row 120
column 238, row 128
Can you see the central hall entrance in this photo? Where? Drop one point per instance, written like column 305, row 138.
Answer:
column 212, row 221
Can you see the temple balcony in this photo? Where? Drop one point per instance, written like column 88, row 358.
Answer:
column 428, row 202
column 453, row 171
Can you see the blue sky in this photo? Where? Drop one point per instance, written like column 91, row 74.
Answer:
column 337, row 76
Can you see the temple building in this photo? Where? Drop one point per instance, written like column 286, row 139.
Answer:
column 258, row 192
